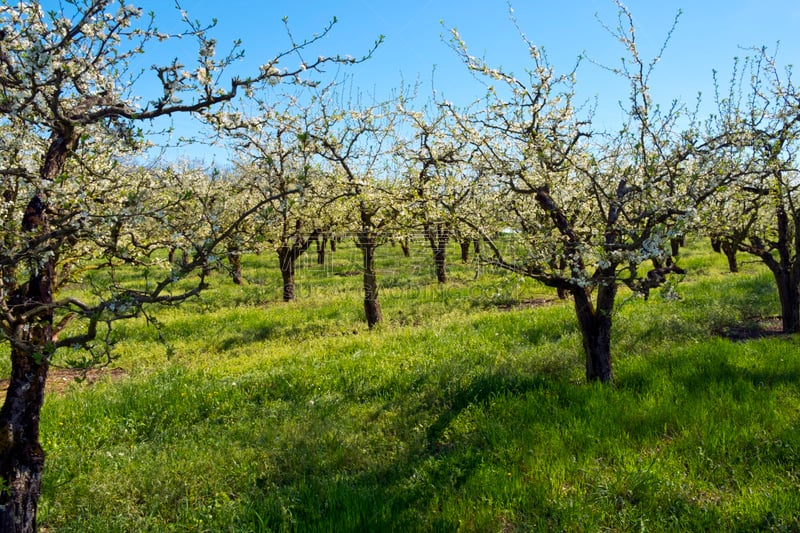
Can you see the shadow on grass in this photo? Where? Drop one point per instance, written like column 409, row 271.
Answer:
column 263, row 333
column 396, row 494
column 752, row 328
column 479, row 392
column 695, row 370
column 270, row 331
column 426, row 464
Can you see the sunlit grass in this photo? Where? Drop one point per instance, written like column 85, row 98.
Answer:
column 465, row 411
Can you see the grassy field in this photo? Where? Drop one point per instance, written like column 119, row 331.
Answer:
column 465, row 411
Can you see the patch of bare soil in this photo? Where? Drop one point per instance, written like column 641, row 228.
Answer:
column 59, row 379
column 754, row 328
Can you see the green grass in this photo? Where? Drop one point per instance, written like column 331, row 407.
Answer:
column 462, row 412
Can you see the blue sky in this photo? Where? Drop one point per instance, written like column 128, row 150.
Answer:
column 709, row 34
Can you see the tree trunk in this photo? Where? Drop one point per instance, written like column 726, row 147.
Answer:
column 286, row 259
column 787, row 274
column 322, row 242
column 465, row 244
column 595, row 324
column 440, row 260
column 730, row 249
column 235, row 261
column 790, row 307
column 789, row 295
column 405, row 245
column 21, row 454
column 372, row 307
column 438, row 236
column 334, row 240
column 675, row 245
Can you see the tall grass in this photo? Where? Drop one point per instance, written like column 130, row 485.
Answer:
column 465, row 411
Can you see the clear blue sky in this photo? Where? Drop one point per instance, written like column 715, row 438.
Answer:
column 709, row 34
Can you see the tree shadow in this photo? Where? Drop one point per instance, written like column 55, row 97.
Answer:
column 409, row 490
column 262, row 333
column 388, row 496
column 755, row 327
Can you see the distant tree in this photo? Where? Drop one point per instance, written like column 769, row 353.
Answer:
column 273, row 153
column 436, row 168
column 68, row 81
column 760, row 117
column 357, row 140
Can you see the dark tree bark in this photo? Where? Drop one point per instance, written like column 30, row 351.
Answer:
column 730, row 249
column 789, row 295
column 595, row 324
column 729, row 246
column 561, row 291
column 438, row 235
column 465, row 244
column 405, row 245
column 21, row 454
column 675, row 245
column 367, row 242
column 206, row 267
column 787, row 271
column 785, row 268
column 440, row 260
column 286, row 261
column 173, row 256
column 235, row 262
column 322, row 243
column 372, row 307
column 288, row 253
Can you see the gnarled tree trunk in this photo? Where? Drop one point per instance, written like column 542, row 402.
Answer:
column 595, row 323
column 286, row 260
column 322, row 242
column 785, row 269
column 438, row 236
column 675, row 245
column 372, row 307
column 21, row 454
column 288, row 253
column 235, row 262
column 789, row 295
column 405, row 245
column 465, row 244
column 730, row 249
